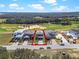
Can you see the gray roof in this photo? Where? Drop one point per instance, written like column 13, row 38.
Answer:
column 39, row 32
column 29, row 32
column 50, row 34
column 76, row 30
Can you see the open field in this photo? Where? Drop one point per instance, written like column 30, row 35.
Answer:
column 5, row 38
column 8, row 27
column 60, row 27
column 3, row 30
column 13, row 27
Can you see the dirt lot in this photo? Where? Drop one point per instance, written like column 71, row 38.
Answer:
column 5, row 38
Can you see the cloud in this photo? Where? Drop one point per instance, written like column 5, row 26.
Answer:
column 2, row 5
column 20, row 8
column 60, row 9
column 15, row 6
column 51, row 2
column 36, row 6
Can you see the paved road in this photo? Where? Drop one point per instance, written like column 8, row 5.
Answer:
column 53, row 42
column 25, row 43
column 15, row 44
column 12, row 47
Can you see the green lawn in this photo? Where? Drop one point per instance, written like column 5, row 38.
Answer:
column 60, row 27
column 3, row 30
column 36, row 40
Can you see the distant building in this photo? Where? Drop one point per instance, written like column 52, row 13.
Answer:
column 38, row 17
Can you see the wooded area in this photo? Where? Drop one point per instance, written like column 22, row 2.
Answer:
column 37, row 18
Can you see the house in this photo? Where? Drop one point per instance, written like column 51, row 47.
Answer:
column 17, row 35
column 74, row 33
column 22, row 34
column 77, row 31
column 50, row 34
column 39, row 34
column 29, row 33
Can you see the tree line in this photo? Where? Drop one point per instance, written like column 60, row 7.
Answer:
column 63, row 21
column 39, row 20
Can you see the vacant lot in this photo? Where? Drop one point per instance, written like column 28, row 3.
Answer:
column 5, row 38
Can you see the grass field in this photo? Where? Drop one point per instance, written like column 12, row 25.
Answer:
column 60, row 27
column 3, row 30
column 14, row 27
column 8, row 27
column 5, row 38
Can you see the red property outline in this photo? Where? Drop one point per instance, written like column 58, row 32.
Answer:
column 33, row 37
column 44, row 39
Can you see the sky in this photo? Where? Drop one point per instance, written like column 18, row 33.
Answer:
column 39, row 5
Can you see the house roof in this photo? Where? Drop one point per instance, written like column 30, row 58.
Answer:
column 20, row 30
column 29, row 32
column 39, row 32
column 76, row 30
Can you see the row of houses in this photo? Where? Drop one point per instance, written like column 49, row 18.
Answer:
column 23, row 34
